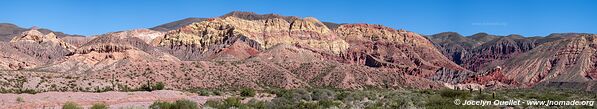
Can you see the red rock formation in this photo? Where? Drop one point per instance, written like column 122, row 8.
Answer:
column 492, row 76
column 379, row 46
column 564, row 60
column 255, row 51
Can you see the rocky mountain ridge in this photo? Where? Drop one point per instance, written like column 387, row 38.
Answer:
column 244, row 49
column 527, row 61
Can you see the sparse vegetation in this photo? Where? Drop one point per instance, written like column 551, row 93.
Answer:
column 71, row 105
column 179, row 104
column 391, row 99
column 158, row 86
column 99, row 106
column 20, row 99
column 205, row 92
column 247, row 92
column 235, row 102
column 151, row 87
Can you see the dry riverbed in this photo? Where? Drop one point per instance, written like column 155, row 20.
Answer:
column 116, row 100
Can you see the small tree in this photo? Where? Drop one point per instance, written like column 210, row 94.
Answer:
column 158, row 86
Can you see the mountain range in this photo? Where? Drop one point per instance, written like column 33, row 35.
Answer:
column 245, row 49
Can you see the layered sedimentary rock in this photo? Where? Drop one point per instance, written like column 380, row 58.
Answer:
column 238, row 50
column 571, row 59
column 244, row 49
column 144, row 34
column 76, row 41
column 497, row 50
column 13, row 59
column 37, row 37
column 111, row 50
column 379, row 46
column 478, row 51
column 197, row 38
column 31, row 49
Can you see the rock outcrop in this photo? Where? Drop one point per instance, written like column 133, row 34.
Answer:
column 480, row 50
column 37, row 37
column 571, row 59
column 379, row 46
column 111, row 50
column 199, row 37
column 497, row 50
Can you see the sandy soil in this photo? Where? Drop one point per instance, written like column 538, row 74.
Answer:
column 116, row 100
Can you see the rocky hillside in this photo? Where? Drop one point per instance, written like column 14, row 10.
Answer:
column 571, row 59
column 551, row 61
column 476, row 52
column 455, row 46
column 245, row 49
column 189, row 42
column 32, row 48
column 239, row 49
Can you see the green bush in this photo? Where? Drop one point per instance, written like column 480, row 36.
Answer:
column 308, row 105
column 203, row 92
column 161, row 105
column 256, row 104
column 99, row 106
column 232, row 102
column 227, row 103
column 71, row 105
column 145, row 87
column 283, row 93
column 439, row 102
column 328, row 103
column 158, row 86
column 323, row 94
column 218, row 93
column 185, row 104
column 152, row 87
column 179, row 104
column 282, row 103
column 247, row 92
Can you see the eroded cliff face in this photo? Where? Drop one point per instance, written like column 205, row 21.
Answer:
column 14, row 59
column 31, row 49
column 379, row 46
column 265, row 33
column 571, row 59
column 111, row 50
column 497, row 50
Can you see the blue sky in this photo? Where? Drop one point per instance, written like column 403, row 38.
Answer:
column 501, row 17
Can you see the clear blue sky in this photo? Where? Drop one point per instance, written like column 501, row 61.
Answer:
column 502, row 17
